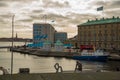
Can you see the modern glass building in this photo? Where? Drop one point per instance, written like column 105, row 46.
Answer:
column 42, row 32
column 62, row 36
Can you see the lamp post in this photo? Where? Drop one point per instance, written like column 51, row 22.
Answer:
column 12, row 43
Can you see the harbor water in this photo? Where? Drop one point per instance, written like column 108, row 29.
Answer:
column 38, row 64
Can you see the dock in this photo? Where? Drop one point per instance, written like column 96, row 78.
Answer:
column 64, row 76
column 114, row 58
column 39, row 52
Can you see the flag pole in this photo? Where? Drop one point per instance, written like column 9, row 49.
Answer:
column 103, row 12
column 98, row 9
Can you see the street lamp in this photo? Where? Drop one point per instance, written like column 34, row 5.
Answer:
column 12, row 43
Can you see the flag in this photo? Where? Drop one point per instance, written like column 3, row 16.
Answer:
column 100, row 8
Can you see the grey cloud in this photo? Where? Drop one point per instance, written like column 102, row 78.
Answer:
column 108, row 4
column 55, row 4
column 63, row 24
column 111, row 7
column 19, row 26
column 112, row 13
column 36, row 16
column 3, row 0
column 2, row 21
column 2, row 4
column 49, row 17
column 114, row 4
column 6, row 15
column 62, row 21
column 37, row 11
column 99, row 3
column 67, row 3
column 65, row 20
column 16, row 0
column 80, row 18
column 26, row 20
column 57, row 16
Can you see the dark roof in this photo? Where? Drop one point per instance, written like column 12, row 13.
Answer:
column 102, row 21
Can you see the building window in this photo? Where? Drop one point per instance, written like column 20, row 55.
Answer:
column 105, row 31
column 105, row 45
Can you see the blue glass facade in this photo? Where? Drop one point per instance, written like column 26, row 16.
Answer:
column 42, row 32
column 62, row 36
column 38, row 33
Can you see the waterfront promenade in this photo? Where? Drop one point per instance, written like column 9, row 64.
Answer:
column 64, row 76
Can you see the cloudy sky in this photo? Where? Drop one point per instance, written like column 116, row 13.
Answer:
column 67, row 14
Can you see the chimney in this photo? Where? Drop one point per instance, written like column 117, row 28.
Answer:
column 103, row 18
column 113, row 17
column 117, row 17
column 96, row 19
column 88, row 20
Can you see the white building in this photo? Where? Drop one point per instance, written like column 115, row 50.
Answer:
column 47, row 46
column 59, row 46
column 43, row 32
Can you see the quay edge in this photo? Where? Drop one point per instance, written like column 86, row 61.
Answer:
column 64, row 76
column 38, row 52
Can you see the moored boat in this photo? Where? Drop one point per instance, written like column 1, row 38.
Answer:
column 90, row 55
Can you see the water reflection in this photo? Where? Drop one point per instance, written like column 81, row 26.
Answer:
column 46, row 64
column 112, row 65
